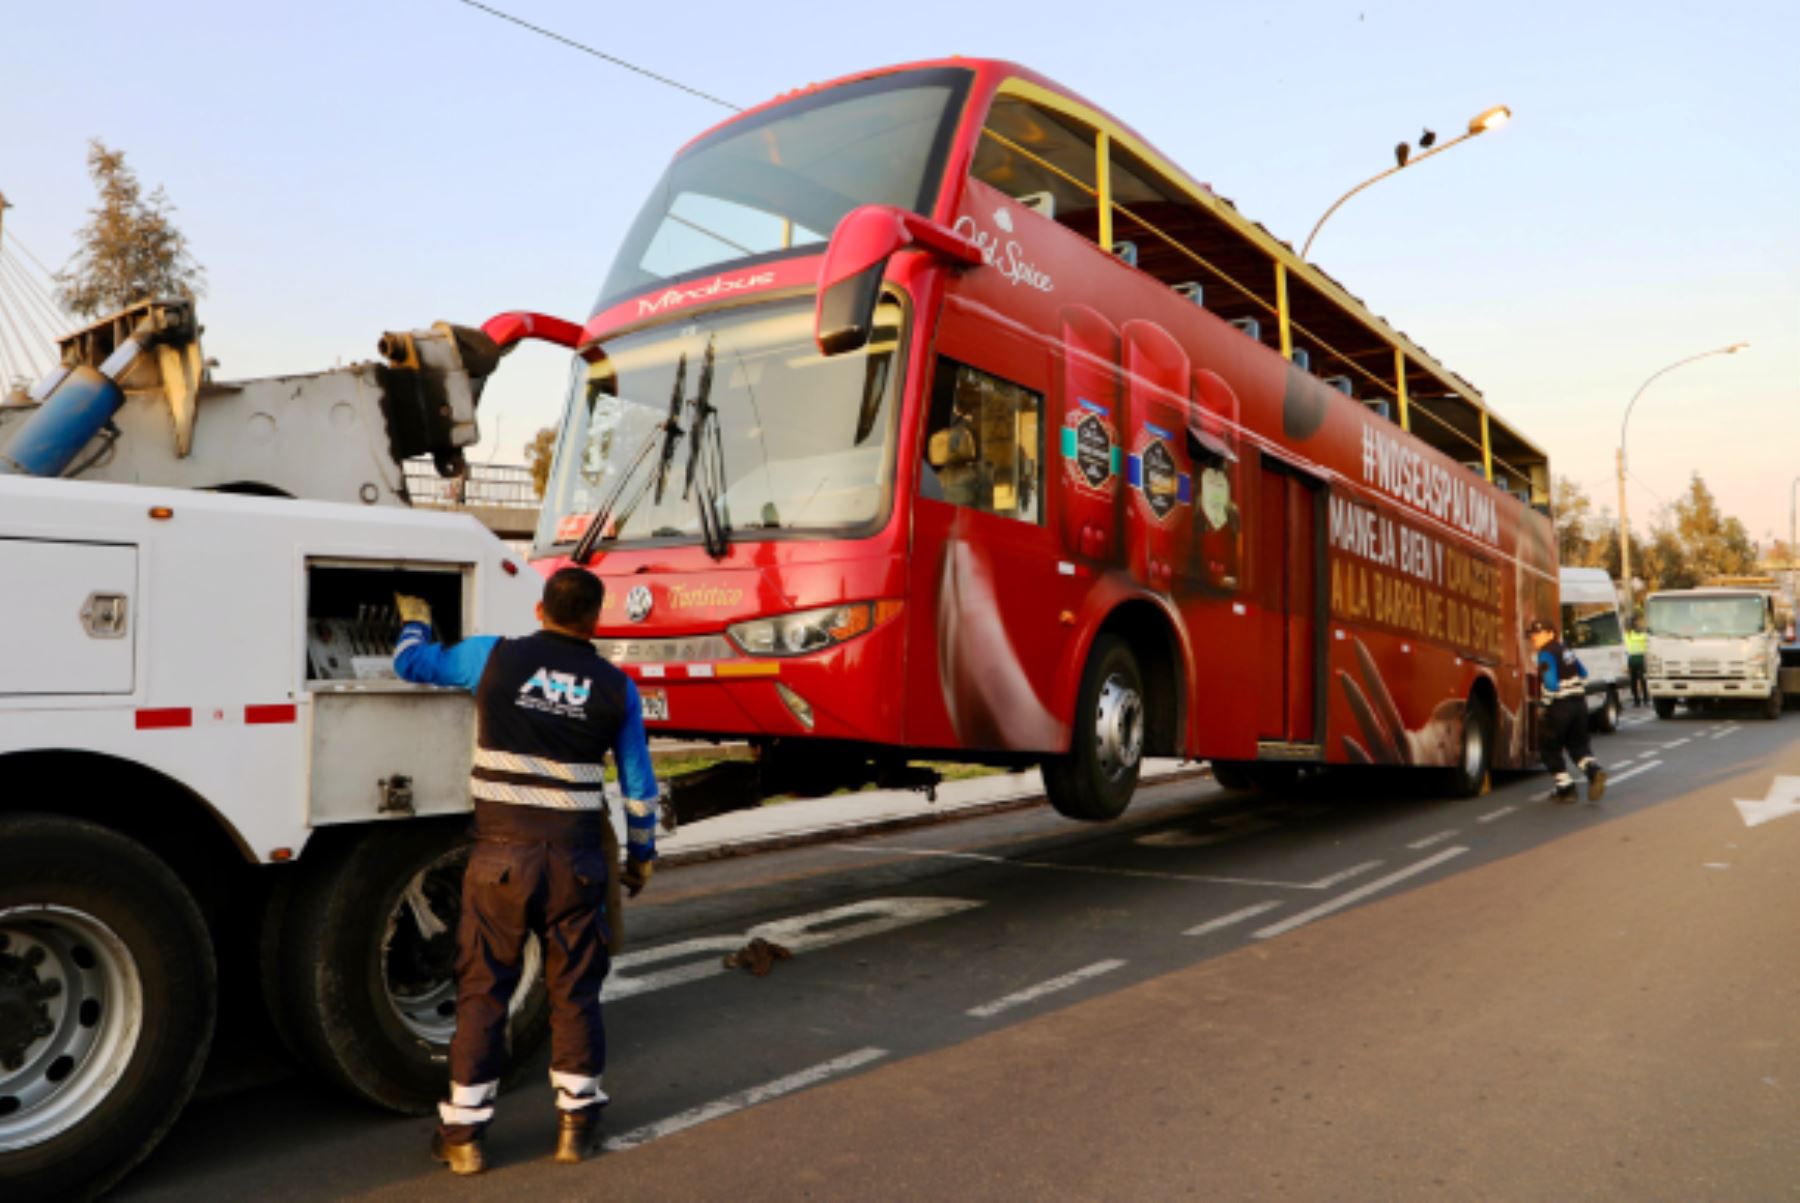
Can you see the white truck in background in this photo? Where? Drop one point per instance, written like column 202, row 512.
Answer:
column 1711, row 646
column 1591, row 626
column 211, row 785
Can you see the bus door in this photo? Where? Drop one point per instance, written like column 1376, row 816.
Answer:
column 1290, row 556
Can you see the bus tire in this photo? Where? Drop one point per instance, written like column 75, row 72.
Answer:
column 1665, row 707
column 1606, row 719
column 369, row 991
column 95, row 1070
column 1093, row 781
column 1468, row 777
column 1233, row 775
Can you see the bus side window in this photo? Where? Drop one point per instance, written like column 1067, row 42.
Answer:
column 984, row 443
column 1042, row 159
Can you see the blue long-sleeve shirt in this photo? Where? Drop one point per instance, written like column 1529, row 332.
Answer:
column 422, row 660
column 1552, row 661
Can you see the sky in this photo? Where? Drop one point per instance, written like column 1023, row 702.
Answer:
column 344, row 167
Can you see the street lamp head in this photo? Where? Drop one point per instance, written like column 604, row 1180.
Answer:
column 1734, row 348
column 1493, row 118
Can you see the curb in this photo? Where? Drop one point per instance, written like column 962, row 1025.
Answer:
column 837, row 831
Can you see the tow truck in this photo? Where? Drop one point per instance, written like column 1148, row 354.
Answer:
column 212, row 787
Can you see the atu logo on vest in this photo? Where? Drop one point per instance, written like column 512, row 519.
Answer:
column 563, row 692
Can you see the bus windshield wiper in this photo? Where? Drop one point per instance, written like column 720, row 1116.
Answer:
column 661, row 439
column 706, row 465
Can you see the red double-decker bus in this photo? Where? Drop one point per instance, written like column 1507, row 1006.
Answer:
column 932, row 414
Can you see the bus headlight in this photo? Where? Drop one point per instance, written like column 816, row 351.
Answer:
column 807, row 631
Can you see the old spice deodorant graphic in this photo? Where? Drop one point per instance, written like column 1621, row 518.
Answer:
column 1158, row 474
column 1091, row 454
column 1218, row 526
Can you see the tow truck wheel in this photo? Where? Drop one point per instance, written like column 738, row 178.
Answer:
column 107, row 998
column 1094, row 780
column 367, row 975
column 1665, row 707
column 1233, row 774
column 1771, row 707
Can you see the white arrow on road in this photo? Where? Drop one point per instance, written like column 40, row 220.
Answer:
column 1783, row 800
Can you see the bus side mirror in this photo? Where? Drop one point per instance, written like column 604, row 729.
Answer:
column 856, row 260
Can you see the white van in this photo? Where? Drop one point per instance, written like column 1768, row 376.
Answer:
column 1592, row 628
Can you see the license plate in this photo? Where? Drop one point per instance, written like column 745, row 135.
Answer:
column 656, row 705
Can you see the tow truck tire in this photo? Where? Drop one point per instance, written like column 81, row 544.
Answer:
column 1094, row 780
column 1606, row 719
column 1771, row 707
column 1665, row 707
column 1468, row 777
column 369, row 994
column 1233, row 774
column 129, row 1024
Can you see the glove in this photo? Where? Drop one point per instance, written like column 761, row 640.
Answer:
column 412, row 609
column 636, row 876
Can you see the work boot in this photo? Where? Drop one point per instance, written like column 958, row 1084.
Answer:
column 1596, row 780
column 577, row 1135
column 462, row 1156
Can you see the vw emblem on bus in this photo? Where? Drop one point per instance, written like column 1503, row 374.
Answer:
column 638, row 603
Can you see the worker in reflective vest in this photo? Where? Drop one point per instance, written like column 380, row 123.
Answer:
column 1562, row 691
column 548, row 709
column 1636, row 642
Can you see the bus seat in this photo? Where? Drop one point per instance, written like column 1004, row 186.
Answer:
column 1128, row 251
column 1341, row 384
column 1192, row 291
column 1041, row 203
column 1380, row 408
column 1250, row 326
column 1302, row 359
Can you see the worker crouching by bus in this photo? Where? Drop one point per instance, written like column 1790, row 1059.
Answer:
column 548, row 709
column 1562, row 689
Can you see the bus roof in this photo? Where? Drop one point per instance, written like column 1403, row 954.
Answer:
column 1337, row 318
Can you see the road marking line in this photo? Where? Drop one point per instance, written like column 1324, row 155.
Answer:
column 1033, row 993
column 1325, row 883
column 1623, row 761
column 1224, row 921
column 1429, row 840
column 1613, row 779
column 1360, row 892
column 744, row 1098
column 1496, row 814
column 1676, row 743
column 1727, row 731
column 1095, row 870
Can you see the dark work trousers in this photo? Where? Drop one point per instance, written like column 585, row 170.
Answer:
column 1565, row 730
column 1640, row 691
column 512, row 890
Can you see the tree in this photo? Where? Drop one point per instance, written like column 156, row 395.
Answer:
column 537, row 457
column 1716, row 545
column 130, row 249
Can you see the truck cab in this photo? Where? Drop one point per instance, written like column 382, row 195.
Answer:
column 1592, row 628
column 1709, row 646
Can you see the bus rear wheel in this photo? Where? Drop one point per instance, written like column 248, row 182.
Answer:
column 1468, row 778
column 108, row 990
column 1094, row 780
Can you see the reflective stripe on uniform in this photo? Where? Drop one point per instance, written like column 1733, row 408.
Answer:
column 576, row 1091
column 469, row 1104
column 529, row 795
column 539, row 766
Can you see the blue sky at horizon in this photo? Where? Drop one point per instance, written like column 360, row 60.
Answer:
column 344, row 168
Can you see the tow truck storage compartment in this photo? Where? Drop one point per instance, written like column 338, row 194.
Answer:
column 67, row 617
column 382, row 747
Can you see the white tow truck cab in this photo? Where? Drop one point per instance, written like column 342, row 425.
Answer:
column 1708, row 646
column 1591, row 626
column 212, row 786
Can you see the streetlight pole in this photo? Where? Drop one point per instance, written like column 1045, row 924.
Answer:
column 1624, row 523
column 1481, row 123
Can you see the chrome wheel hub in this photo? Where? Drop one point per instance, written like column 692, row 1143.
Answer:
column 1118, row 727
column 71, row 1010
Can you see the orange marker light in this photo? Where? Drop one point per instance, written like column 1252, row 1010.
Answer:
column 161, row 513
column 281, row 854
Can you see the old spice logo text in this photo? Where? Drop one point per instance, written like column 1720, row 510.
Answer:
column 716, row 287
column 1004, row 255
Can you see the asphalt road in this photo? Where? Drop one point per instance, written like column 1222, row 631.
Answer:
column 1356, row 993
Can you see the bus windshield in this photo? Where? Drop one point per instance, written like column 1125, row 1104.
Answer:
column 801, row 442
column 780, row 180
column 1706, row 617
